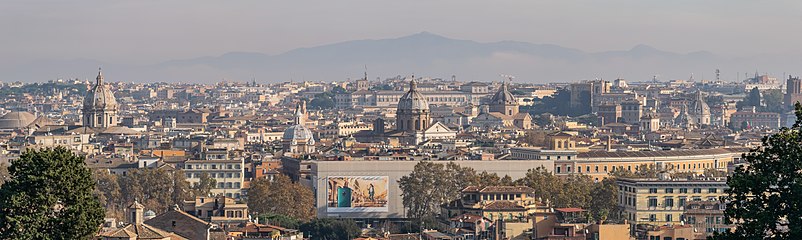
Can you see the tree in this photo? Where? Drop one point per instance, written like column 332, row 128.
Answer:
column 574, row 192
column 546, row 185
column 773, row 100
column 752, row 99
column 279, row 220
column 322, row 101
column 157, row 189
column 426, row 187
column 49, row 197
column 328, row 228
column 281, row 196
column 256, row 198
column 764, row 195
column 4, row 175
column 109, row 193
column 204, row 185
column 604, row 201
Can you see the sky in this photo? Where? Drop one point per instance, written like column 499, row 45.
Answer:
column 149, row 31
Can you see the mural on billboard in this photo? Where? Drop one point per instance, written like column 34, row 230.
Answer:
column 357, row 194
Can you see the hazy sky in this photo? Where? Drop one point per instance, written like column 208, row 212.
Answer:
column 143, row 32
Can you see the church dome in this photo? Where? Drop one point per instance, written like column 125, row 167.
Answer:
column 16, row 120
column 100, row 97
column 412, row 100
column 299, row 133
column 503, row 96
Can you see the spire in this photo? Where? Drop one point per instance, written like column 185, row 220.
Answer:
column 99, row 76
column 299, row 114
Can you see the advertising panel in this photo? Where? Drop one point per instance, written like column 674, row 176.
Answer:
column 357, row 194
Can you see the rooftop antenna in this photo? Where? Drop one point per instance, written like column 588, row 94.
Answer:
column 718, row 75
column 508, row 77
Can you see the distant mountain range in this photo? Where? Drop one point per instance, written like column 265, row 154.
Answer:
column 422, row 54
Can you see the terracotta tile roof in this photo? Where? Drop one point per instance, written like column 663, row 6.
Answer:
column 568, row 210
column 138, row 231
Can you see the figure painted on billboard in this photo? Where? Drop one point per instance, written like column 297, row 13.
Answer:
column 344, row 196
column 371, row 192
column 360, row 193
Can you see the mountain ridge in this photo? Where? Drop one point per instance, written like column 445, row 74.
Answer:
column 423, row 53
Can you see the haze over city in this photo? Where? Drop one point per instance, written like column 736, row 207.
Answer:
column 400, row 120
column 188, row 40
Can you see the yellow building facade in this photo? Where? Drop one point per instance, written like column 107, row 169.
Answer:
column 661, row 202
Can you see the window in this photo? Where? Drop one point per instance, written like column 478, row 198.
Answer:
column 669, row 218
column 558, row 169
column 652, row 217
column 669, row 190
column 712, row 190
column 597, row 168
column 605, row 168
column 669, row 202
column 653, row 202
column 652, row 190
column 682, row 202
column 697, row 190
column 683, row 190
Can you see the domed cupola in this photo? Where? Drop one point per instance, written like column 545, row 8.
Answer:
column 412, row 113
column 100, row 105
column 298, row 138
column 100, row 96
column 503, row 96
column 413, row 100
column 504, row 102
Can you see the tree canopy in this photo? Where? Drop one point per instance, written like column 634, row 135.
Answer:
column 765, row 195
column 49, row 196
column 281, row 196
column 431, row 185
column 328, row 228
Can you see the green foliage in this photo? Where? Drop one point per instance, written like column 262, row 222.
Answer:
column 603, row 203
column 328, row 228
column 157, row 189
column 281, row 196
column 204, row 185
column 545, row 184
column 773, row 101
column 576, row 190
column 322, row 101
column 764, row 195
column 558, row 104
column 279, row 220
column 426, row 188
column 107, row 188
column 49, row 197
column 4, row 175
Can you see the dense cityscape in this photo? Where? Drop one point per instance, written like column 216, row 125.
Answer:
column 403, row 157
column 400, row 120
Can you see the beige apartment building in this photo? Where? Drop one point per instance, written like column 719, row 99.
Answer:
column 663, row 201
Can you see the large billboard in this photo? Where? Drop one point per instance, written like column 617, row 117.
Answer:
column 356, row 194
